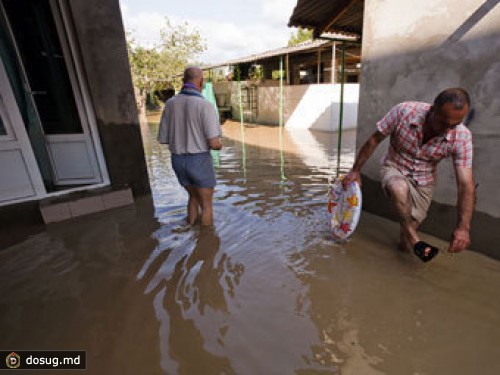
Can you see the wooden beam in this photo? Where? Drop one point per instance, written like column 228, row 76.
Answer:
column 345, row 5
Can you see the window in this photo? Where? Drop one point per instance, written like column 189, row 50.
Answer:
column 42, row 56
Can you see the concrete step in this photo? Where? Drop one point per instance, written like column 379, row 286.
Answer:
column 74, row 205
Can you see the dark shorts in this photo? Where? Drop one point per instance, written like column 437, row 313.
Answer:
column 194, row 169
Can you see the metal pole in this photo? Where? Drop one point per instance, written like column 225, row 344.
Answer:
column 282, row 158
column 281, row 94
column 334, row 62
column 242, row 128
column 287, row 67
column 341, row 109
column 318, row 66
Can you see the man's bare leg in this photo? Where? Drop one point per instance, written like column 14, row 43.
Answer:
column 193, row 205
column 399, row 192
column 206, row 203
column 404, row 243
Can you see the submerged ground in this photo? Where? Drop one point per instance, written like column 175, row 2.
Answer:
column 266, row 292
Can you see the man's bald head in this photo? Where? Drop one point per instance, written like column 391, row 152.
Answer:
column 192, row 73
column 457, row 96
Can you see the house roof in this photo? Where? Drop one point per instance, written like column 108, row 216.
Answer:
column 302, row 47
column 337, row 16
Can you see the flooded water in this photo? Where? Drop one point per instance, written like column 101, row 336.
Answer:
column 265, row 292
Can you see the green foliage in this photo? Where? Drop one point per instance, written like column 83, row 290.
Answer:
column 161, row 66
column 144, row 64
column 302, row 35
column 241, row 72
column 237, row 72
column 215, row 75
column 179, row 46
column 256, row 72
column 276, row 74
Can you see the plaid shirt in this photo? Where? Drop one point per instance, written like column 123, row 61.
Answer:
column 404, row 123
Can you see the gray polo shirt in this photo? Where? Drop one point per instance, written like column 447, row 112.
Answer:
column 187, row 123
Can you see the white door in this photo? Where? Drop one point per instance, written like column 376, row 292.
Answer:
column 19, row 174
column 43, row 49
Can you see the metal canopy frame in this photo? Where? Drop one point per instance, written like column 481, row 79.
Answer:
column 339, row 16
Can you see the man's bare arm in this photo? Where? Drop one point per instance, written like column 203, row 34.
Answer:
column 363, row 155
column 162, row 129
column 465, row 207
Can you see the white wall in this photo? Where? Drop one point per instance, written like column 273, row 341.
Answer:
column 318, row 106
column 314, row 106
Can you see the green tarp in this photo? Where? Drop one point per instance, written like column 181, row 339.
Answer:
column 209, row 94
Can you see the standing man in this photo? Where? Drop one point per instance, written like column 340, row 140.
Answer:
column 421, row 135
column 190, row 126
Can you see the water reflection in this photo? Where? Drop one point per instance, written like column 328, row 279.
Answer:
column 191, row 287
column 71, row 288
column 287, row 172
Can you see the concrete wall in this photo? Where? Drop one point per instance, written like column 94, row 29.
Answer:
column 413, row 56
column 318, row 106
column 313, row 106
column 101, row 38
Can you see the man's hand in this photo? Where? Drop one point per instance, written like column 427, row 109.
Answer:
column 214, row 143
column 460, row 240
column 350, row 177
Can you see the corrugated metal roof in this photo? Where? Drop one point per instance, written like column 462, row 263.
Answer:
column 309, row 45
column 340, row 16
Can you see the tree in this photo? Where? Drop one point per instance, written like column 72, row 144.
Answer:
column 144, row 64
column 179, row 46
column 161, row 66
column 302, row 35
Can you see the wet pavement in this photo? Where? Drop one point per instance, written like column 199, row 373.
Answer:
column 266, row 292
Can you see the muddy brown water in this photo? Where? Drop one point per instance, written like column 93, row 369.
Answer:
column 266, row 292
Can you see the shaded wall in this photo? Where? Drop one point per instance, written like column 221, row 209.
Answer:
column 414, row 56
column 101, row 37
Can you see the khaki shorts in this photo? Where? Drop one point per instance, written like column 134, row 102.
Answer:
column 421, row 196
